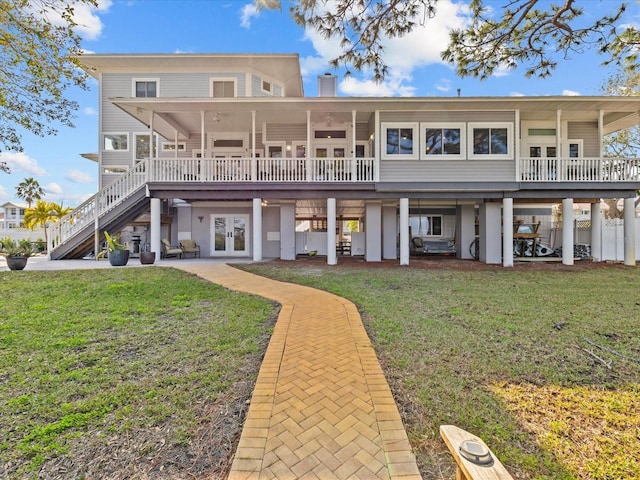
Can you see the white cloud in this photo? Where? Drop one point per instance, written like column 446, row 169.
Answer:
column 247, row 13
column 88, row 20
column 444, row 85
column 77, row 176
column 392, row 87
column 19, row 162
column 403, row 55
column 4, row 195
column 570, row 93
column 92, row 112
column 53, row 188
column 88, row 23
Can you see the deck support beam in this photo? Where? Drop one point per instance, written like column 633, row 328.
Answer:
column 507, row 232
column 567, row 231
column 629, row 231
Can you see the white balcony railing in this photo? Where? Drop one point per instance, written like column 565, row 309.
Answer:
column 262, row 170
column 579, row 169
column 188, row 170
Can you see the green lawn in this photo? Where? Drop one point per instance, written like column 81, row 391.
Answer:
column 127, row 373
column 505, row 354
column 122, row 373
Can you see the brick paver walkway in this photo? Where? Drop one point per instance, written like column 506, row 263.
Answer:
column 321, row 408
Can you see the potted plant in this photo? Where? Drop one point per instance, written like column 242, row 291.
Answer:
column 118, row 252
column 16, row 253
column 147, row 258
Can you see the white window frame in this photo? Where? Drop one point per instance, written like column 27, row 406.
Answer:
column 579, row 142
column 104, row 135
column 491, row 156
column 223, row 79
column 414, row 126
column 135, row 80
column 429, row 217
column 106, row 168
column 135, row 143
column 443, row 125
column 169, row 146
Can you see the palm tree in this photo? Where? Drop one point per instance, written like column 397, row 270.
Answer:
column 44, row 212
column 29, row 190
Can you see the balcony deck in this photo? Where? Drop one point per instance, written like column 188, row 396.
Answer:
column 350, row 170
column 579, row 170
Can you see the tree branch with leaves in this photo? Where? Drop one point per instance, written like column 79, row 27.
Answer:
column 39, row 52
column 535, row 34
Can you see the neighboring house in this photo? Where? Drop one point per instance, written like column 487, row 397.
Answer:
column 226, row 150
column 13, row 215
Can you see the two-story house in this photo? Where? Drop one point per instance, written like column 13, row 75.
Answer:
column 226, row 149
column 13, row 215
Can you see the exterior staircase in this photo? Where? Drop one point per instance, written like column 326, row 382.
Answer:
column 111, row 209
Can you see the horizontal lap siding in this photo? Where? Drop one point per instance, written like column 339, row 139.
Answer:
column 588, row 132
column 442, row 116
column 430, row 170
column 282, row 132
column 447, row 171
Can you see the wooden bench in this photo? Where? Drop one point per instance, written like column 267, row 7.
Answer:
column 455, row 437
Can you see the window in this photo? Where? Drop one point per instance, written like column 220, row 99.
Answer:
column 426, row 225
column 145, row 87
column 266, row 86
column 399, row 141
column 442, row 140
column 113, row 169
column 115, row 141
column 142, row 146
column 223, row 88
column 229, row 143
column 171, row 146
column 490, row 140
column 330, row 134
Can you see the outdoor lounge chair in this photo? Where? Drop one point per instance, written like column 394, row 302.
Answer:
column 169, row 251
column 190, row 246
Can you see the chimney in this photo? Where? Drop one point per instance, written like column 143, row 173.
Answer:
column 327, row 85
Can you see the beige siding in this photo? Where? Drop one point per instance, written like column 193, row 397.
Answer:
column 280, row 132
column 588, row 132
column 447, row 170
column 442, row 116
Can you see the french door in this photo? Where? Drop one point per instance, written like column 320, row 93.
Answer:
column 230, row 235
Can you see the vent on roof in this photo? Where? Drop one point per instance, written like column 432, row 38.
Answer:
column 327, row 85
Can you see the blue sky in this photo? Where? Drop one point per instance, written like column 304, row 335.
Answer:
column 228, row 26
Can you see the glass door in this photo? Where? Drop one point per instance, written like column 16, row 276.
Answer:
column 230, row 235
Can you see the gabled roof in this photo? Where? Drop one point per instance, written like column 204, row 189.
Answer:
column 284, row 68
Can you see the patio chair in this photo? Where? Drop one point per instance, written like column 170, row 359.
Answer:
column 169, row 251
column 190, row 247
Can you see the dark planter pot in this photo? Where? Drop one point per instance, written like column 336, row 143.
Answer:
column 119, row 258
column 17, row 262
column 147, row 258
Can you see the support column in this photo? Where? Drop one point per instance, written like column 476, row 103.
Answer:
column 490, row 233
column 507, row 232
column 466, row 230
column 332, row 258
column 567, row 231
column 596, row 232
column 155, row 226
column 288, row 231
column 373, row 232
column 404, row 231
column 629, row 231
column 390, row 232
column 257, row 229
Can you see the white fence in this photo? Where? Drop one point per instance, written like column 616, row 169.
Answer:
column 21, row 233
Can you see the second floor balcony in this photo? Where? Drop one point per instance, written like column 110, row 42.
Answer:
column 345, row 170
column 367, row 170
